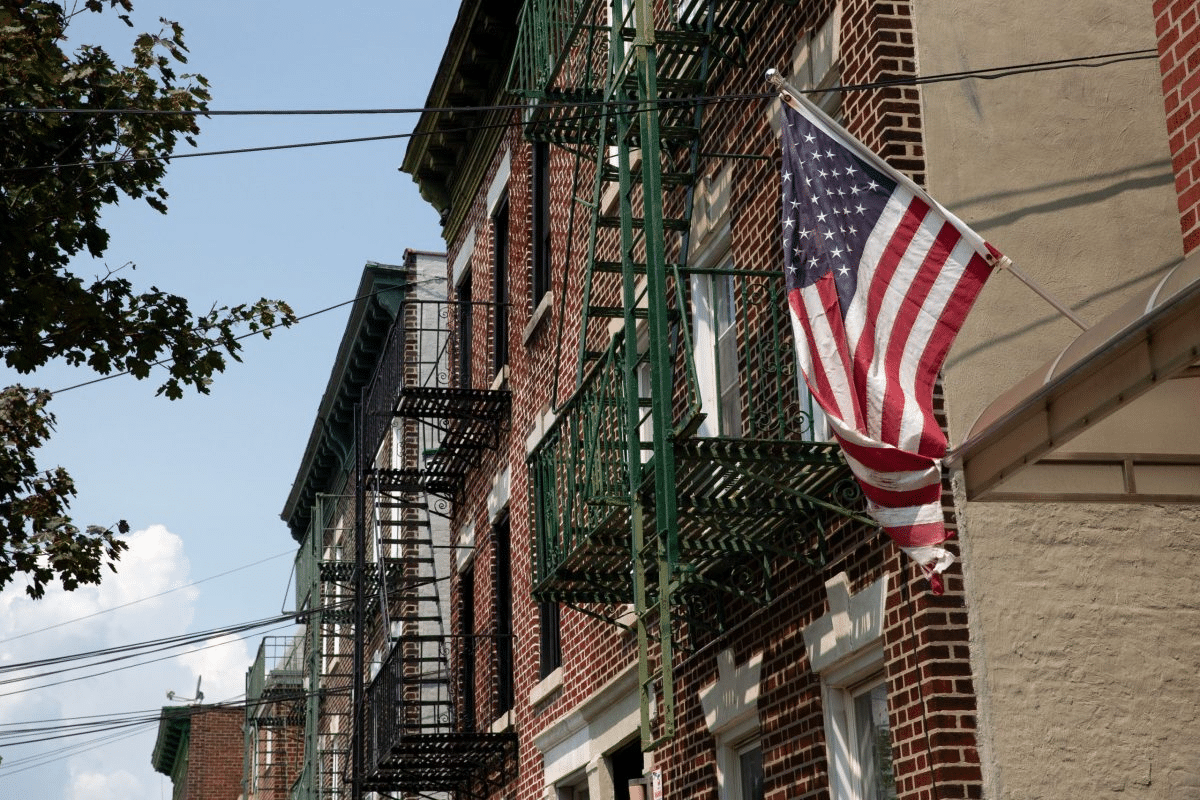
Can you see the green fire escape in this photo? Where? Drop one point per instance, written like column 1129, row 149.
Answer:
column 635, row 498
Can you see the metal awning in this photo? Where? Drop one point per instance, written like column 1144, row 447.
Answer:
column 1114, row 418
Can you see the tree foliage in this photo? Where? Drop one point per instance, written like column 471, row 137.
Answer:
column 58, row 171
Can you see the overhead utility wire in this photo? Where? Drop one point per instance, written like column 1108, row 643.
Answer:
column 53, row 733
column 40, row 725
column 259, row 332
column 152, row 645
column 43, row 759
column 155, row 645
column 104, row 672
column 984, row 72
column 144, row 599
column 988, row 73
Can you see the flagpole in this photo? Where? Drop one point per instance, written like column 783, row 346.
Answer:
column 779, row 82
column 1005, row 263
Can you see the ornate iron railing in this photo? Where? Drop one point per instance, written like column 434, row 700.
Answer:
column 743, row 351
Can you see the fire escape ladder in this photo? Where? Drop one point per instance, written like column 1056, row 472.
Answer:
column 648, row 150
column 423, row 428
column 682, row 472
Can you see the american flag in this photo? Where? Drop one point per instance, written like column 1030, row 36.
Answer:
column 880, row 278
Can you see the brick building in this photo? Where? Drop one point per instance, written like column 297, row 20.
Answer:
column 199, row 747
column 273, row 728
column 676, row 548
column 587, row 537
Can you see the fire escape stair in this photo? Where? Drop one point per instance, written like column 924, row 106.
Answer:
column 631, row 505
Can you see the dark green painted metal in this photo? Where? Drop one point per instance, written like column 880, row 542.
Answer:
column 628, row 505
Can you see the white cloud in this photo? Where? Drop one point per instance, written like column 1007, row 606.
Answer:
column 124, row 609
column 117, row 785
column 222, row 663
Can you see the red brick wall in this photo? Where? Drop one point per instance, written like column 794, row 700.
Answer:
column 215, row 747
column 927, row 669
column 1178, row 26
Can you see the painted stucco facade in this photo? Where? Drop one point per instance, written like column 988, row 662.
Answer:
column 1084, row 618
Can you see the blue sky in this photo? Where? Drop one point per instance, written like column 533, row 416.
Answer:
column 202, row 480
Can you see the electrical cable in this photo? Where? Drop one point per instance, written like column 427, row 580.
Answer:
column 45, row 758
column 987, row 73
column 124, row 652
column 260, row 332
column 144, row 599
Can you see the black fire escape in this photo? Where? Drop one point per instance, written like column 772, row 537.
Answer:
column 420, row 428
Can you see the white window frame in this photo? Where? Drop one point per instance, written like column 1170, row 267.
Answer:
column 730, row 706
column 816, row 62
column 734, row 779
column 848, row 777
column 715, row 376
column 845, row 647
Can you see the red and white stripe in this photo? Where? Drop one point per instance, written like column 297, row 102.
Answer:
column 873, row 367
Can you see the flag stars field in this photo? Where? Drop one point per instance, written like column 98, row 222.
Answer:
column 878, row 286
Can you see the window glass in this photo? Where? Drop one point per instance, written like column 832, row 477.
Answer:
column 728, row 384
column 463, row 298
column 750, row 771
column 500, row 284
column 540, row 175
column 873, row 741
column 549, row 638
column 504, row 617
column 466, row 657
column 860, row 742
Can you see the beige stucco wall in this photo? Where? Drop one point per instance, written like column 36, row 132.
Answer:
column 1085, row 618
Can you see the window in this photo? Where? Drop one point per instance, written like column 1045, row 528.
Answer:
column 575, row 788
column 816, row 425
column 860, row 741
column 816, row 62
column 645, row 393
column 626, row 764
column 500, row 284
column 549, row 639
column 462, row 296
column 504, row 616
column 540, row 173
column 466, row 647
column 729, row 400
column 750, row 770
column 714, row 309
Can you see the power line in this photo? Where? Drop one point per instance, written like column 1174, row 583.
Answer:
column 144, row 599
column 43, row 759
column 986, row 73
column 120, row 721
column 259, row 332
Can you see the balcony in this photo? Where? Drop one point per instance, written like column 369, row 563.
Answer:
column 275, row 683
column 419, row 377
column 564, row 59
column 758, row 490
column 421, row 729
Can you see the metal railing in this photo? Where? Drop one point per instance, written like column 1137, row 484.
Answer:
column 279, row 665
column 414, row 705
column 424, row 353
column 548, row 33
column 579, row 471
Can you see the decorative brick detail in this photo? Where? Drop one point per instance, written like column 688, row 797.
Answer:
column 1178, row 26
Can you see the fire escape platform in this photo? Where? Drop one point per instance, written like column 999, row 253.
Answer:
column 442, row 762
column 736, row 498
